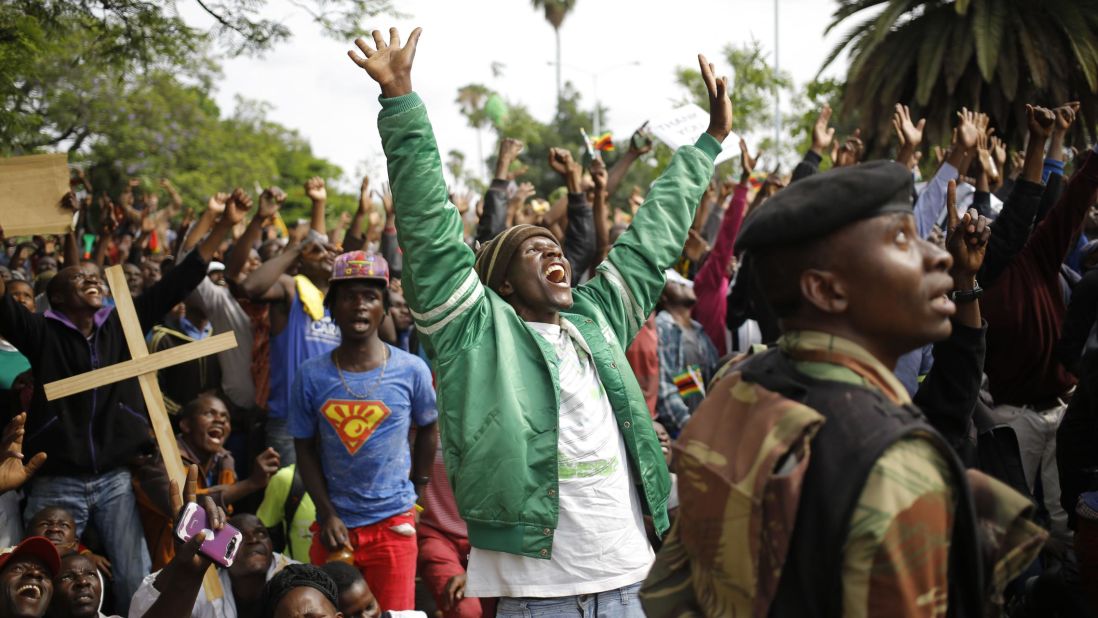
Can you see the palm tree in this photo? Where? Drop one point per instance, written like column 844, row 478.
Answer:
column 472, row 99
column 555, row 12
column 991, row 55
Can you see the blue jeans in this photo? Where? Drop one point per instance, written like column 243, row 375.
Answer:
column 279, row 438
column 620, row 603
column 107, row 501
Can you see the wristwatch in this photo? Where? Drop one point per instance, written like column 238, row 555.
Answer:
column 967, row 296
column 421, row 480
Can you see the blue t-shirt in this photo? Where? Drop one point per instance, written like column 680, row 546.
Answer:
column 364, row 443
column 302, row 339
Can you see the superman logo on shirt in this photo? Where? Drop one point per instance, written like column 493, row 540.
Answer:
column 354, row 421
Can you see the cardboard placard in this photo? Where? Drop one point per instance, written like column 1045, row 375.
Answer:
column 31, row 189
column 683, row 125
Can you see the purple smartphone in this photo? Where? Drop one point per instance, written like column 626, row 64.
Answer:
column 220, row 547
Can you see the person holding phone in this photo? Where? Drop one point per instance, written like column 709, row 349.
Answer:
column 178, row 590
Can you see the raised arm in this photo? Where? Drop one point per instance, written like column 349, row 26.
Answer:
column 822, row 136
column 158, row 300
column 214, row 209
column 711, row 282
column 356, row 234
column 909, row 134
column 315, row 190
column 440, row 284
column 599, row 177
column 269, row 202
column 929, row 205
column 631, row 279
column 579, row 237
column 640, row 143
column 493, row 219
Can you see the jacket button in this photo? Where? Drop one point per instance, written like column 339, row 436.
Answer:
column 614, row 365
column 587, row 321
column 547, row 532
column 627, row 424
column 552, row 492
column 543, row 553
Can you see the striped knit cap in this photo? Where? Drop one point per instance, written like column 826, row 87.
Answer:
column 494, row 256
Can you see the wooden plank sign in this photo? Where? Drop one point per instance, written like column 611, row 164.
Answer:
column 31, row 189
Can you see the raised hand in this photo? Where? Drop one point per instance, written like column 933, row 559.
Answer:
column 388, row 64
column 187, row 556
column 386, row 196
column 640, row 142
column 967, row 129
column 266, row 464
column 1041, row 122
column 983, row 153
column 560, row 160
column 238, row 205
column 599, row 175
column 509, row 150
column 998, row 152
column 822, row 135
column 966, row 237
column 1065, row 116
column 217, row 202
column 720, row 106
column 269, row 202
column 909, row 133
column 695, row 246
column 747, row 164
column 13, row 472
column 562, row 163
column 314, row 189
column 850, row 151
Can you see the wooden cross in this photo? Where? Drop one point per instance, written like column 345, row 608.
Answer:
column 143, row 366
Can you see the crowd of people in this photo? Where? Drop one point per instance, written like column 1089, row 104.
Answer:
column 842, row 392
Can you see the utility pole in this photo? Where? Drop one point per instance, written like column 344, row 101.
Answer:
column 777, row 91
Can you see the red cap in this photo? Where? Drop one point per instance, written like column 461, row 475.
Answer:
column 37, row 546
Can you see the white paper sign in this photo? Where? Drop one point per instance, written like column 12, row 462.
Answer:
column 682, row 126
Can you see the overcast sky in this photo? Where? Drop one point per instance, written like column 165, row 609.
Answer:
column 313, row 87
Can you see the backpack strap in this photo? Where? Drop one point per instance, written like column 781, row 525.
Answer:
column 293, row 500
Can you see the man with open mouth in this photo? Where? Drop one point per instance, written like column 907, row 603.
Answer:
column 547, row 439
column 90, row 438
column 26, row 578
column 204, row 427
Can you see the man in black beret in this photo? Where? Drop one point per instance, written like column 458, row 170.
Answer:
column 884, row 522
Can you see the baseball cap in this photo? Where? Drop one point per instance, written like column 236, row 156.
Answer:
column 360, row 265
column 215, row 266
column 37, row 546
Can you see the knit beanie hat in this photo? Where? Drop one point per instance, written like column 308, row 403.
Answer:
column 494, row 256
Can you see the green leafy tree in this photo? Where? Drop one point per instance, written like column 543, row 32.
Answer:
column 555, row 12
column 991, row 55
column 162, row 128
column 756, row 84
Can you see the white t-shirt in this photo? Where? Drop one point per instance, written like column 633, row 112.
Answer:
column 599, row 543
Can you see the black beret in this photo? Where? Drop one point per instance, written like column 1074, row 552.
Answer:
column 822, row 203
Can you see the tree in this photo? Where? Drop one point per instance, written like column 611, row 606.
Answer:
column 991, row 55
column 756, row 83
column 555, row 12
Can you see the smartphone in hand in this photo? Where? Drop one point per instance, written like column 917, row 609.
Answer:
column 220, row 546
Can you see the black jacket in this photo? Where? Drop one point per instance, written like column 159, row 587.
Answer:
column 97, row 430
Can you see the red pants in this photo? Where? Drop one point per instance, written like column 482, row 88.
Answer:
column 386, row 558
column 441, row 558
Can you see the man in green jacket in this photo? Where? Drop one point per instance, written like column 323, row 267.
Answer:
column 546, row 436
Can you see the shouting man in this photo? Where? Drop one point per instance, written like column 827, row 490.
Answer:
column 547, row 439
